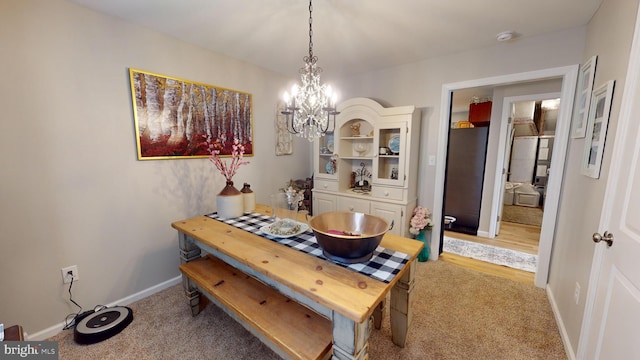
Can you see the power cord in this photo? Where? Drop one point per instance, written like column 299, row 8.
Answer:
column 71, row 319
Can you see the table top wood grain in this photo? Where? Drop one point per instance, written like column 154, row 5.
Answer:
column 351, row 294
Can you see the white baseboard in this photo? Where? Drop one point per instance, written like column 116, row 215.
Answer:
column 563, row 331
column 483, row 234
column 56, row 329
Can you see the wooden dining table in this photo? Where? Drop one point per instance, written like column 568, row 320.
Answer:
column 351, row 303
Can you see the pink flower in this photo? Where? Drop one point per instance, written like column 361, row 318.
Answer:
column 420, row 220
column 237, row 154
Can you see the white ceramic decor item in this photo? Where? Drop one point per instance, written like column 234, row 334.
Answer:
column 229, row 202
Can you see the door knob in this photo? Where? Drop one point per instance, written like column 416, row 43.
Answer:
column 607, row 237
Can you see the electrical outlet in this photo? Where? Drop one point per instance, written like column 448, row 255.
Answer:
column 576, row 295
column 67, row 273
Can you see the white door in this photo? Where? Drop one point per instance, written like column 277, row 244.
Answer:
column 391, row 213
column 507, row 133
column 505, row 171
column 612, row 331
column 323, row 203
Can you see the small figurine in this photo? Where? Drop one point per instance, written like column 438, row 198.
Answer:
column 355, row 129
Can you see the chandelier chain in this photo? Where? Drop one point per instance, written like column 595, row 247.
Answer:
column 310, row 31
column 311, row 108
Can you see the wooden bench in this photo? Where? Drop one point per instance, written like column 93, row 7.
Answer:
column 289, row 328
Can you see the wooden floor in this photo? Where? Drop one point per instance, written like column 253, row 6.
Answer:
column 520, row 237
column 512, row 236
column 489, row 268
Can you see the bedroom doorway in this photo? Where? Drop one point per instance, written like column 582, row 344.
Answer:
column 530, row 122
column 567, row 76
column 524, row 163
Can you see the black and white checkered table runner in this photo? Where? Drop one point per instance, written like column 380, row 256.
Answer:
column 383, row 266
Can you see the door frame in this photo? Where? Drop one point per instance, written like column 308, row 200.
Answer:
column 569, row 76
column 498, row 187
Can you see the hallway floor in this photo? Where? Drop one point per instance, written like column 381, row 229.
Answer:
column 512, row 236
column 520, row 237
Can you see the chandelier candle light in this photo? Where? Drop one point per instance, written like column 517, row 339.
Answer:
column 311, row 106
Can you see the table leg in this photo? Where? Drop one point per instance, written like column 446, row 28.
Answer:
column 189, row 251
column 378, row 313
column 350, row 339
column 400, row 307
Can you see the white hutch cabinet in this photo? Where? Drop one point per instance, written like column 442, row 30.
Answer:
column 369, row 163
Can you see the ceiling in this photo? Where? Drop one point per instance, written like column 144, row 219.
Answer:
column 349, row 36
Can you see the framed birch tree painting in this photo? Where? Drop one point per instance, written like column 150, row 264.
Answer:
column 174, row 117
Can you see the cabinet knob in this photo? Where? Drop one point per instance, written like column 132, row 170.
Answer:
column 325, row 186
column 350, row 208
column 386, row 193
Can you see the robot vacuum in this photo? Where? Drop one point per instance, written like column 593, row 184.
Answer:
column 102, row 324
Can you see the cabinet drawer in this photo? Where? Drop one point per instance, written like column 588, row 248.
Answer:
column 326, row 185
column 387, row 193
column 351, row 204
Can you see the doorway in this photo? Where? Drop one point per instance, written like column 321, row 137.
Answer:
column 524, row 162
column 567, row 76
column 520, row 188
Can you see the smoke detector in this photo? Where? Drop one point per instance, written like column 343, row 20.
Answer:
column 505, row 36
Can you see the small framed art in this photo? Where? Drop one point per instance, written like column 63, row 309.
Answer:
column 284, row 140
column 596, row 132
column 583, row 98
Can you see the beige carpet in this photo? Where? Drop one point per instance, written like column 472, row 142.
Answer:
column 522, row 214
column 458, row 314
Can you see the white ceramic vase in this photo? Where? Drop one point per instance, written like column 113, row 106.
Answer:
column 229, row 202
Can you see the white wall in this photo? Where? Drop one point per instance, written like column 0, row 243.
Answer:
column 609, row 35
column 73, row 192
column 421, row 83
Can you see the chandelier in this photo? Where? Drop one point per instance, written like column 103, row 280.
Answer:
column 311, row 105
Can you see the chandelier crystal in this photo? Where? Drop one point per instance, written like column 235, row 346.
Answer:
column 311, row 105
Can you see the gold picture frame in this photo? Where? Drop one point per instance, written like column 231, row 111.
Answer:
column 175, row 117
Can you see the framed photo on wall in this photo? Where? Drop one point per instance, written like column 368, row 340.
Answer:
column 174, row 117
column 284, row 140
column 596, row 135
column 583, row 98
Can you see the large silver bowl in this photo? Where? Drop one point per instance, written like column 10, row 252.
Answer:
column 348, row 237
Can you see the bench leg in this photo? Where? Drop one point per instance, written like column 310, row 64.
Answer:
column 193, row 296
column 189, row 251
column 350, row 339
column 401, row 300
